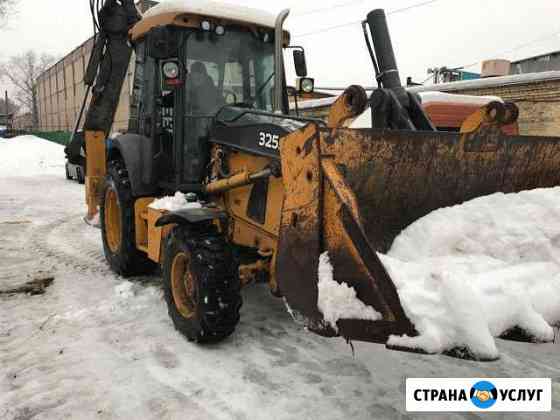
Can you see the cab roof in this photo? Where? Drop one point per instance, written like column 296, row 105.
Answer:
column 191, row 12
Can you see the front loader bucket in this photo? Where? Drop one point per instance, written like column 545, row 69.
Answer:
column 349, row 192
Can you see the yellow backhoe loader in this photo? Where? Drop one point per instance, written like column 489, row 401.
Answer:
column 269, row 192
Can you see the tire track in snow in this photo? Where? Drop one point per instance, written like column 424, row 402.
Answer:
column 66, row 242
column 19, row 261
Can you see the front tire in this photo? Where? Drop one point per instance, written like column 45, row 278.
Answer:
column 117, row 225
column 201, row 284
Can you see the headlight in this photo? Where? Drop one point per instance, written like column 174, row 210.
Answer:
column 206, row 25
column 220, row 30
column 306, row 84
column 171, row 70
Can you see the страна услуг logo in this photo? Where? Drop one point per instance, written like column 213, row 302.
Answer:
column 484, row 394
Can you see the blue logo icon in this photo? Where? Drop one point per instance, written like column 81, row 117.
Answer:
column 484, row 394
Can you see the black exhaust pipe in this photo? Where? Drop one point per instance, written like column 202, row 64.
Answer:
column 388, row 76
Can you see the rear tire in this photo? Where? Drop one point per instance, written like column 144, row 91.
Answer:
column 201, row 284
column 117, row 225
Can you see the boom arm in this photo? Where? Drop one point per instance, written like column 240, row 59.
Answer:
column 106, row 72
column 109, row 63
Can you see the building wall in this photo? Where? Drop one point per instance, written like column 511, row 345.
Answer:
column 539, row 105
column 61, row 91
column 23, row 121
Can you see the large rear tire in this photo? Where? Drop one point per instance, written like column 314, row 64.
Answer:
column 201, row 284
column 117, row 225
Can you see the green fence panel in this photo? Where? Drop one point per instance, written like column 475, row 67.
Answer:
column 60, row 137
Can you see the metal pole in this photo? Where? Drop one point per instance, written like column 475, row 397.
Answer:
column 80, row 115
column 279, row 61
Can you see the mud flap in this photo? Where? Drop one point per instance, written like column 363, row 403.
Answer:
column 351, row 192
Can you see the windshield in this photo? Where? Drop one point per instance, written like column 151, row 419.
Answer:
column 236, row 68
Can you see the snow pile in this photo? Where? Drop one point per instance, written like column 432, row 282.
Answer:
column 454, row 304
column 29, row 156
column 468, row 273
column 216, row 9
column 174, row 203
column 339, row 301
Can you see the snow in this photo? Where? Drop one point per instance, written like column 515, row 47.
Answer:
column 314, row 103
column 442, row 97
column 174, row 203
column 29, row 156
column 97, row 346
column 125, row 290
column 338, row 300
column 469, row 273
column 215, row 9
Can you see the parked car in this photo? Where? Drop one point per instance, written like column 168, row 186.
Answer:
column 76, row 161
column 76, row 158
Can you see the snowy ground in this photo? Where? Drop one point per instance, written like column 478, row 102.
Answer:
column 96, row 346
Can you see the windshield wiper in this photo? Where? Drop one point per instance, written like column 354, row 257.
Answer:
column 261, row 88
column 251, row 104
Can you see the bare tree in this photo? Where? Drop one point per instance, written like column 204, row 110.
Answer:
column 6, row 9
column 22, row 71
column 12, row 108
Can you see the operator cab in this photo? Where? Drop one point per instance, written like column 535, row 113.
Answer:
column 188, row 68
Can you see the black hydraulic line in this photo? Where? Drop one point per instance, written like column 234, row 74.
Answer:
column 80, row 115
column 371, row 54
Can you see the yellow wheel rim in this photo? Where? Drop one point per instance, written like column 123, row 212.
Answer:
column 183, row 285
column 113, row 230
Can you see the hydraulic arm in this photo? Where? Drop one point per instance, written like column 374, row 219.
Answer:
column 105, row 75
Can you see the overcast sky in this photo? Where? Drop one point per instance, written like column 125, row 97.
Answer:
column 446, row 32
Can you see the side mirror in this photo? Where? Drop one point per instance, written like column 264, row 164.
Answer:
column 300, row 63
column 163, row 43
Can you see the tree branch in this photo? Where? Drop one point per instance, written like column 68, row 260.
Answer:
column 22, row 71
